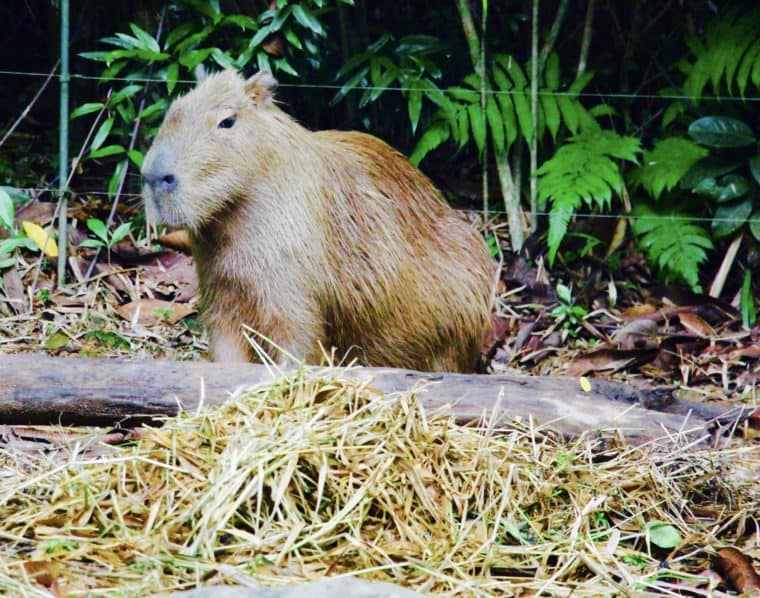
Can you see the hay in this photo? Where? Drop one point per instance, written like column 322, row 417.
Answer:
column 316, row 475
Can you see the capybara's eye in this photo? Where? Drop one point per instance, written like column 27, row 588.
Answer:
column 228, row 122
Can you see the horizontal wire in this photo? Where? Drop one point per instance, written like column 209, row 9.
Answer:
column 674, row 218
column 629, row 96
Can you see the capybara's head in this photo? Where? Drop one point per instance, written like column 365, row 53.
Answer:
column 205, row 153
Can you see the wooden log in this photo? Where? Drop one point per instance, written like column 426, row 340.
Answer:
column 38, row 389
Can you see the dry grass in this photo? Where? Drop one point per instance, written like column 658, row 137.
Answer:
column 316, row 475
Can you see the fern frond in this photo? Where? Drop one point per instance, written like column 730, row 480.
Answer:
column 666, row 164
column 583, row 170
column 730, row 54
column 674, row 244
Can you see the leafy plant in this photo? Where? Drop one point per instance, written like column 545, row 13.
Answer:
column 102, row 237
column 567, row 313
column 721, row 180
column 406, row 63
column 286, row 39
column 15, row 239
column 583, row 170
column 672, row 241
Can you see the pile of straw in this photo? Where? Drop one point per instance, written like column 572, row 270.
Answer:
column 316, row 475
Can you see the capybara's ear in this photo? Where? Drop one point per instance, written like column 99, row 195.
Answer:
column 200, row 73
column 260, row 87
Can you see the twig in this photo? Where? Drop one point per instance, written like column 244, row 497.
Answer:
column 716, row 288
column 552, row 36
column 586, row 41
column 483, row 87
column 29, row 106
column 535, row 70
column 132, row 141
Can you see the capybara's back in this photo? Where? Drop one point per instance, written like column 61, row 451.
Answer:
column 315, row 240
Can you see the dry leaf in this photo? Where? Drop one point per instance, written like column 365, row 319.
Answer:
column 696, row 325
column 152, row 311
column 736, row 569
column 43, row 238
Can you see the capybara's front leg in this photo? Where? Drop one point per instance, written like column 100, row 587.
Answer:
column 228, row 346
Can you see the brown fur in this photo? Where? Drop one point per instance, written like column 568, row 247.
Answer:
column 316, row 237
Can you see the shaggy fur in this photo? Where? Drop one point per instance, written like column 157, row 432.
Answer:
column 316, row 238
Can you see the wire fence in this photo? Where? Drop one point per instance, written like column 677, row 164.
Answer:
column 336, row 86
column 59, row 192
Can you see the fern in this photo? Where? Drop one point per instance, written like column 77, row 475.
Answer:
column 672, row 242
column 730, row 54
column 583, row 170
column 666, row 164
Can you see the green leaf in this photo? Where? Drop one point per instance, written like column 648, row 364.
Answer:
column 581, row 171
column 563, row 292
column 101, row 135
column 98, row 227
column 568, row 108
column 10, row 244
column 245, row 22
column 86, row 109
column 747, row 302
column 350, row 85
column 307, row 19
column 664, row 166
column 495, row 124
column 710, row 167
column 415, row 105
column 126, row 92
column 754, row 225
column 7, row 210
column 754, row 168
column 172, row 74
column 727, row 188
column 92, row 243
column 145, row 38
column 433, row 137
column 721, row 131
column 663, row 535
column 729, row 218
column 136, row 156
column 551, row 75
column 109, row 150
column 478, row 126
column 121, row 231
column 178, row 33
column 96, row 56
column 551, row 113
column 113, row 182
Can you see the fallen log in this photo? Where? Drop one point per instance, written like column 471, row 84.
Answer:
column 38, row 389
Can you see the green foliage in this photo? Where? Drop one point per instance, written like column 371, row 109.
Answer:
column 103, row 237
column 672, row 241
column 584, row 170
column 567, row 313
column 747, row 302
column 507, row 114
column 203, row 33
column 664, row 166
column 406, row 63
column 14, row 239
column 662, row 535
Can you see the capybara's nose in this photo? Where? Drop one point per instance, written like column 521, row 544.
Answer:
column 161, row 183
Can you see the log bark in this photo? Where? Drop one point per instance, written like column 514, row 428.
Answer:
column 36, row 389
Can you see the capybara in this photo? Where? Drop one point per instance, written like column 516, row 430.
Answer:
column 316, row 240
